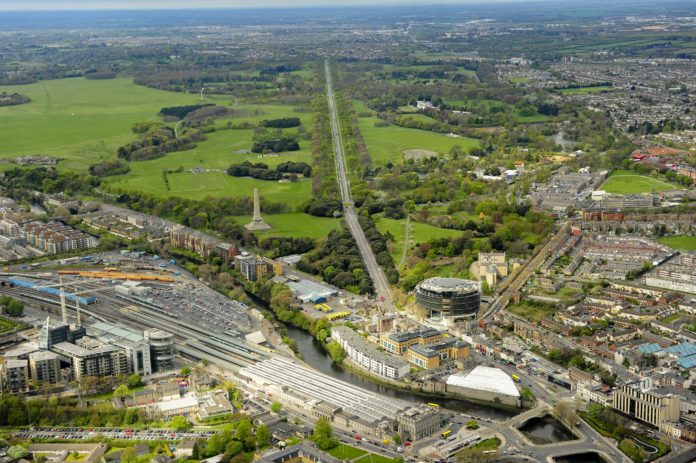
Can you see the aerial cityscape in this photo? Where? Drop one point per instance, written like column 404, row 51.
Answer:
column 361, row 232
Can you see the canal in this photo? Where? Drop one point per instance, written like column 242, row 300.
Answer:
column 315, row 356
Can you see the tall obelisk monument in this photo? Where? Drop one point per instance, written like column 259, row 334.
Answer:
column 257, row 222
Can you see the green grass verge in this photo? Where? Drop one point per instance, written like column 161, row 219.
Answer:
column 374, row 458
column 685, row 243
column 346, row 452
column 83, row 121
column 628, row 182
column 7, row 325
column 488, row 444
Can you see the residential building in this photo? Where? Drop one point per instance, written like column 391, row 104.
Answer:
column 367, row 356
column 44, row 367
column 15, row 376
column 678, row 274
column 251, row 267
column 93, row 359
column 54, row 237
column 227, row 252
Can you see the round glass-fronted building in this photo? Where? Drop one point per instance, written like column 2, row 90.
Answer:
column 449, row 298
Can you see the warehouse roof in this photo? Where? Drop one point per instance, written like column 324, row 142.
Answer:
column 485, row 379
column 176, row 404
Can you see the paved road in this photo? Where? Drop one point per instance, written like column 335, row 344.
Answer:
column 379, row 279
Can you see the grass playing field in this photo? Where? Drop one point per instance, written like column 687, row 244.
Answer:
column 387, row 143
column 295, row 224
column 628, row 182
column 684, row 243
column 81, row 120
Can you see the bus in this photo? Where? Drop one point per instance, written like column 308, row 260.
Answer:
column 516, row 379
column 446, row 433
column 431, row 404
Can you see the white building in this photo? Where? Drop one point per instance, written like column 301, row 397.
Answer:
column 368, row 356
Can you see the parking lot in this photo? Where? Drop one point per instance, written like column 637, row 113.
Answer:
column 112, row 433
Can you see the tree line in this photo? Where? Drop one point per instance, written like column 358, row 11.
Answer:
column 261, row 170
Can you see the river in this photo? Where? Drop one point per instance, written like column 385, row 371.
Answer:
column 315, row 356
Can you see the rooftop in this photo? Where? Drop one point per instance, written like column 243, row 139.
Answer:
column 485, row 379
column 184, row 402
column 116, row 332
column 415, row 334
column 448, row 284
column 684, row 349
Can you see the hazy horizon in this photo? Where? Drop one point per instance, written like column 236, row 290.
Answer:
column 92, row 5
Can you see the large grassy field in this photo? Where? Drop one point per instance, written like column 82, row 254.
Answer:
column 387, row 144
column 684, row 243
column 257, row 113
column 295, row 224
column 418, row 233
column 216, row 153
column 81, row 120
column 628, row 182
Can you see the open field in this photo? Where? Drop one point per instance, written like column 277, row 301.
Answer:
column 628, row 182
column 346, row 452
column 386, row 144
column 531, row 311
column 215, row 155
column 81, row 120
column 419, row 233
column 294, row 224
column 256, row 113
column 684, row 243
column 585, row 90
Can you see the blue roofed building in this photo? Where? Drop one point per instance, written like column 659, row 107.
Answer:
column 648, row 349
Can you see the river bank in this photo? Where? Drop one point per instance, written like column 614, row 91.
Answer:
column 315, row 356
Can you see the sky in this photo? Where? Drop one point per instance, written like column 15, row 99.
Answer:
column 23, row 5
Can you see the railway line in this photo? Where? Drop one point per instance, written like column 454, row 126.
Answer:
column 516, row 281
column 220, row 348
